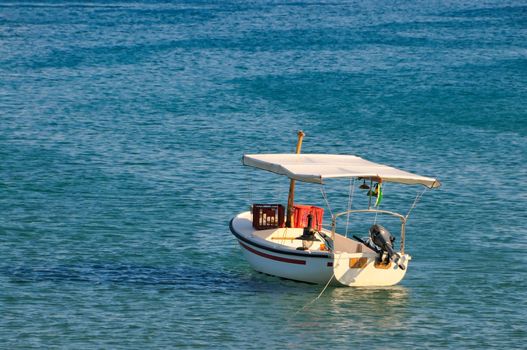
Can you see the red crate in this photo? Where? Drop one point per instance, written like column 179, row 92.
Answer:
column 300, row 213
column 266, row 216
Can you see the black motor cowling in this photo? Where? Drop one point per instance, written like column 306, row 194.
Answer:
column 383, row 239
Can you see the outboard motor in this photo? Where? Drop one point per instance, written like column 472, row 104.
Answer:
column 383, row 239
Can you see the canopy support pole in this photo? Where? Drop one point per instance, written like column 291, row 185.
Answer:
column 291, row 197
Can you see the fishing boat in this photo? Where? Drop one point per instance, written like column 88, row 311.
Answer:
column 293, row 243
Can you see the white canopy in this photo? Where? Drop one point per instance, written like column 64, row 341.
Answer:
column 317, row 167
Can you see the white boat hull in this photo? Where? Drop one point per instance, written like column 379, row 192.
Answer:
column 305, row 269
column 343, row 268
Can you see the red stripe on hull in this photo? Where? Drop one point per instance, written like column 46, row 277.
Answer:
column 273, row 257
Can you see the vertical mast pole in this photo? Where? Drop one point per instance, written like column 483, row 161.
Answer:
column 291, row 197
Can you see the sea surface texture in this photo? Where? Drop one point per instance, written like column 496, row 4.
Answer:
column 122, row 126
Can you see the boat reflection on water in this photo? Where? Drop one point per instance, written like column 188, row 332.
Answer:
column 375, row 300
column 363, row 310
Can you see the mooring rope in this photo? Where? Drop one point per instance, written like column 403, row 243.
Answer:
column 323, row 289
column 318, row 296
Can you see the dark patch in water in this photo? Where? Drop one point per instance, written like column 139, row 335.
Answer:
column 180, row 277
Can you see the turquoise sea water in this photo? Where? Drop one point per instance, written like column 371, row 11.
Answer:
column 122, row 126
